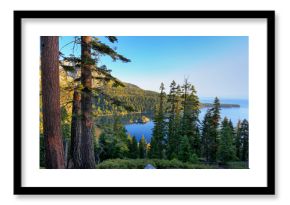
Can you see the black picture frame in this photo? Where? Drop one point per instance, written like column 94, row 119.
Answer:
column 268, row 190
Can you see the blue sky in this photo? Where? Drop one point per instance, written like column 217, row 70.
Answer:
column 215, row 65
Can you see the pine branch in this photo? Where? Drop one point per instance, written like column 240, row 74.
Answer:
column 107, row 50
column 68, row 68
column 72, row 59
column 112, row 39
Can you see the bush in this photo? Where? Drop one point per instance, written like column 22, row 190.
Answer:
column 194, row 159
column 123, row 164
column 158, row 163
column 237, row 165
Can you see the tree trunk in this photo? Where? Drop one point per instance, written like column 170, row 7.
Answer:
column 54, row 154
column 76, row 126
column 87, row 145
column 65, row 148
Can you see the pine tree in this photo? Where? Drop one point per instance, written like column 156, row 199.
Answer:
column 213, row 140
column 238, row 142
column 186, row 108
column 190, row 122
column 158, row 137
column 54, row 153
column 207, row 130
column 178, row 120
column 142, row 148
column 103, row 147
column 120, row 138
column 226, row 150
column 184, row 152
column 210, row 132
column 172, row 124
column 245, row 140
column 133, row 149
column 193, row 132
column 119, row 129
column 216, row 112
column 101, row 76
column 152, row 149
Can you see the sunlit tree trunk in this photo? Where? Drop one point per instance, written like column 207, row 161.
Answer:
column 87, row 145
column 54, row 153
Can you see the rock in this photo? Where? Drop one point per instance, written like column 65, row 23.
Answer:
column 149, row 166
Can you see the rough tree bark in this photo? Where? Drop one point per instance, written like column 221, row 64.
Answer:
column 54, row 153
column 87, row 145
column 76, row 133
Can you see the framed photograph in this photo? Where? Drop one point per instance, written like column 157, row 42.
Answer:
column 172, row 102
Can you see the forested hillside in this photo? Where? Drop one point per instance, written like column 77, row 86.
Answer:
column 129, row 97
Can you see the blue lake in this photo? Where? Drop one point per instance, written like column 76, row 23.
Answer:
column 235, row 114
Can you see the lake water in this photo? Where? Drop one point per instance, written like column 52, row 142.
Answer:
column 235, row 114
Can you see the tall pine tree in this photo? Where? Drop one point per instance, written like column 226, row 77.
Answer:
column 238, row 140
column 173, row 124
column 206, row 129
column 193, row 131
column 133, row 148
column 213, row 140
column 210, row 132
column 159, row 130
column 142, row 148
column 99, row 75
column 184, row 151
column 245, row 140
column 190, row 122
column 226, row 149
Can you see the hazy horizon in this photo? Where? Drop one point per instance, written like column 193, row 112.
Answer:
column 200, row 97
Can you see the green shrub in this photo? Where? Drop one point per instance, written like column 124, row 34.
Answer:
column 194, row 159
column 237, row 165
column 158, row 163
